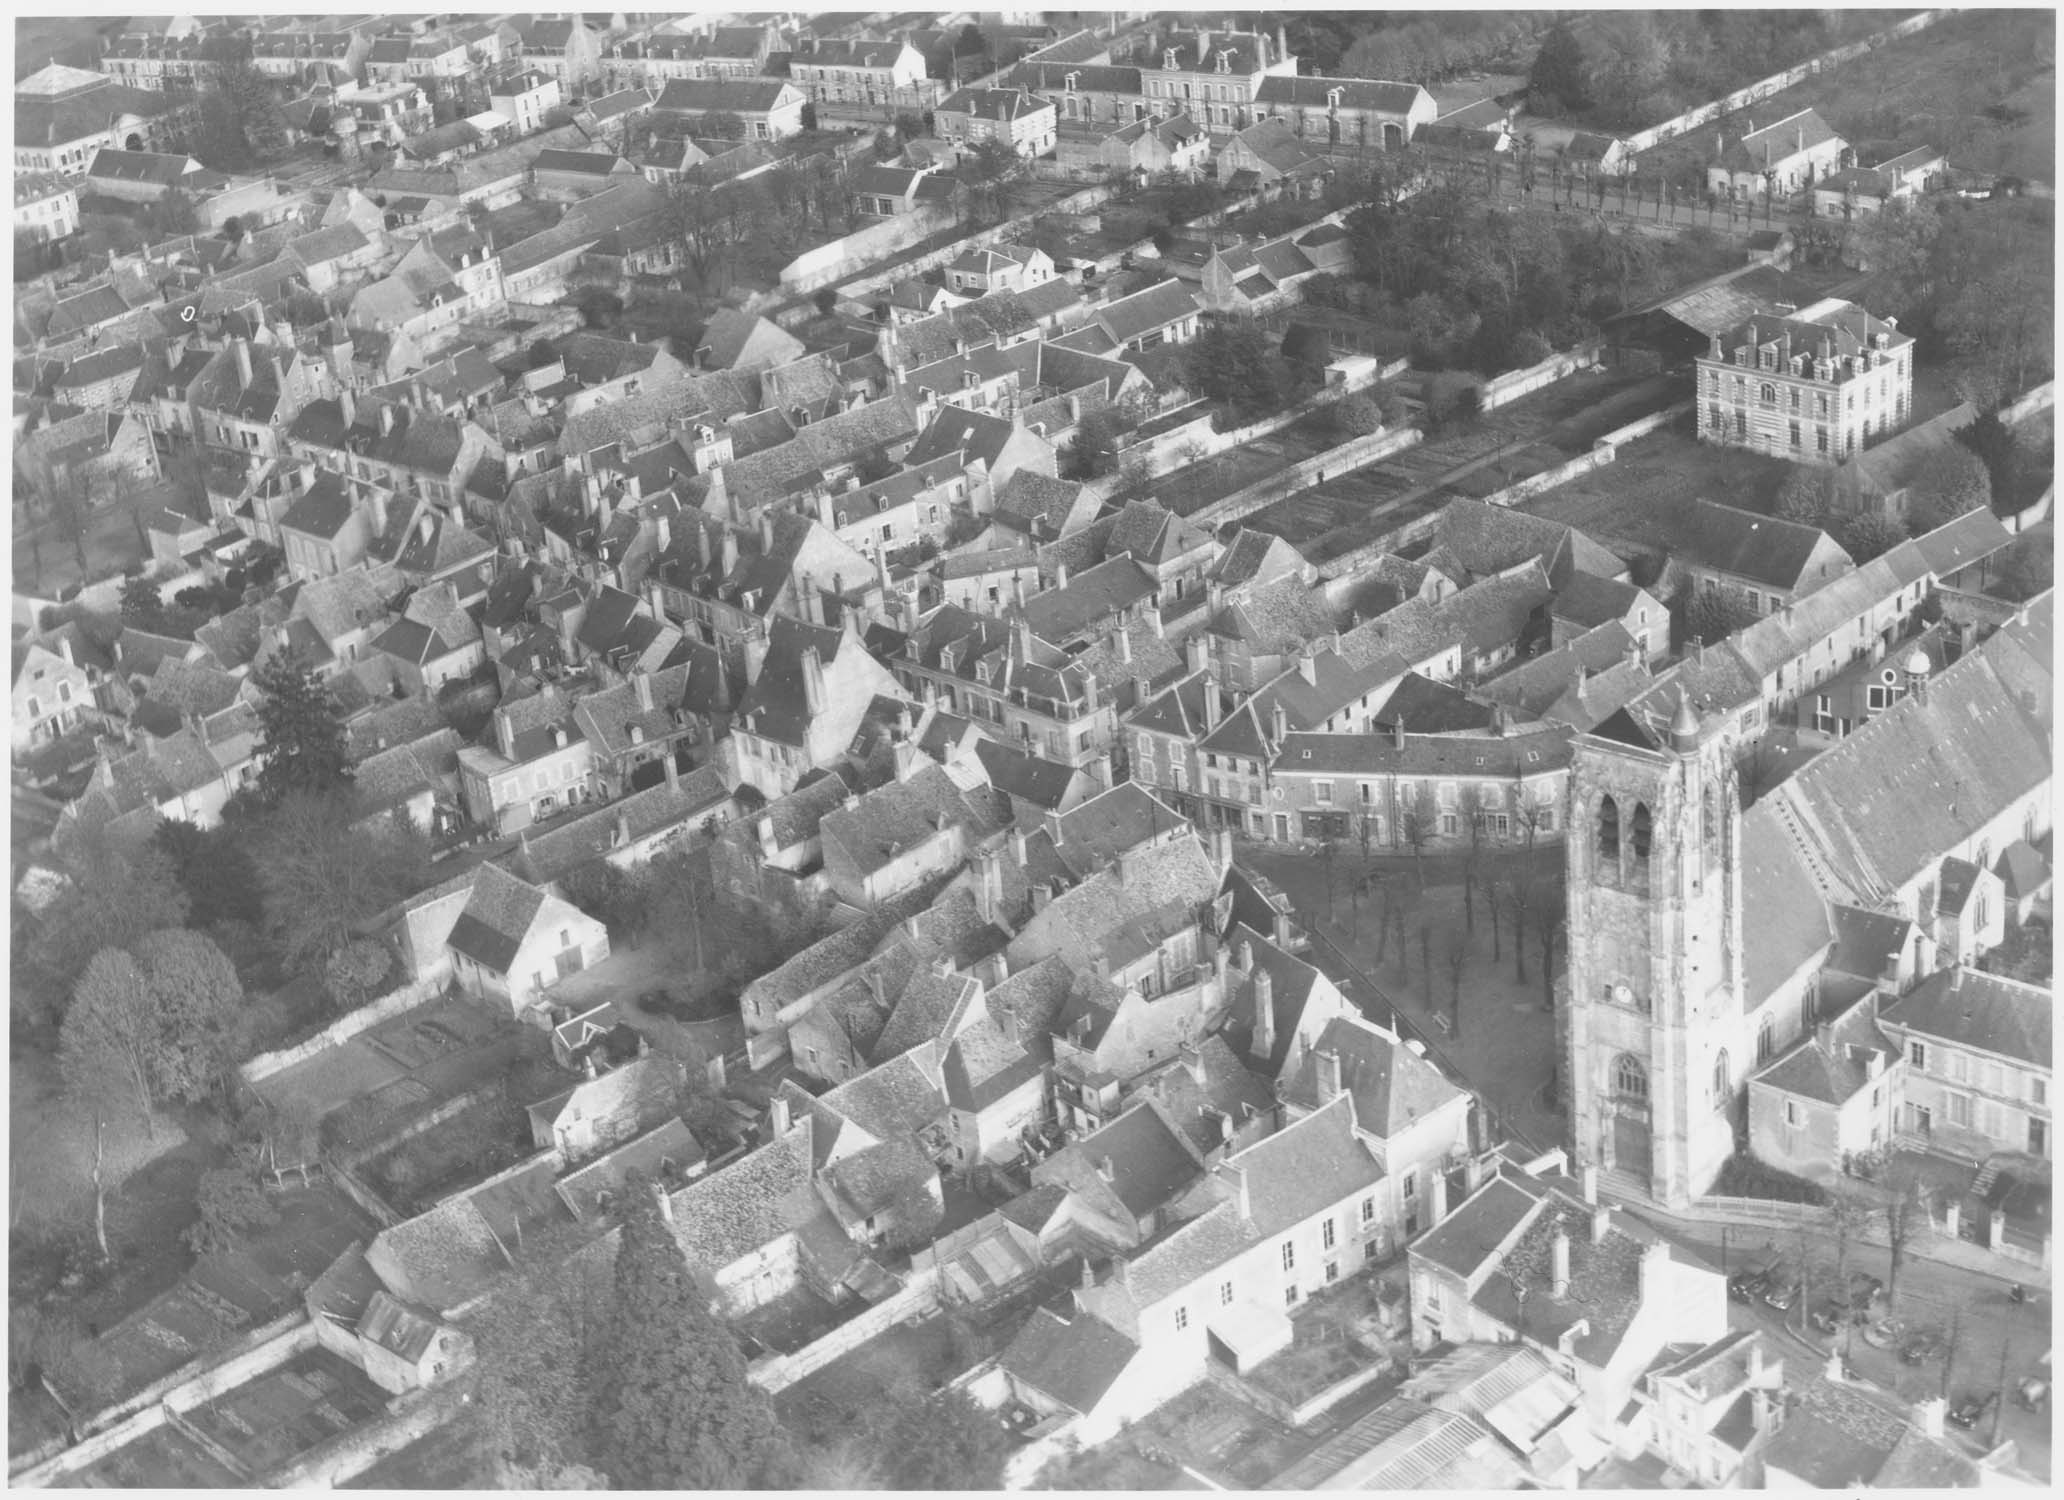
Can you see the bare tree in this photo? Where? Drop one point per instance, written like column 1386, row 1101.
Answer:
column 1906, row 1218
column 1949, row 1350
column 1547, row 926
column 1476, row 818
column 1457, row 956
column 1385, row 899
column 1426, row 959
column 1494, row 903
column 1419, row 825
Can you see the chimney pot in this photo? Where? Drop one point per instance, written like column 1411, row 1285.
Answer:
column 1558, row 1278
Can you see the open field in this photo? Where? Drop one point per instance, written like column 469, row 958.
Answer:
column 1980, row 85
column 1669, row 465
column 1190, row 489
column 1343, row 513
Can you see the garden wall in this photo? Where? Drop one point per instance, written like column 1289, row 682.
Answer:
column 184, row 1389
column 827, row 263
column 861, row 286
column 2042, row 398
column 920, row 1295
column 1355, row 453
column 1604, row 450
column 1513, row 384
column 343, row 1028
column 349, row 1454
column 1763, row 88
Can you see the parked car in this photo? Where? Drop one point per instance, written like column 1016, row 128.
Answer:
column 1884, row 1333
column 1973, row 1409
column 1829, row 1314
column 1781, row 1288
column 1747, row 1286
column 1921, row 1346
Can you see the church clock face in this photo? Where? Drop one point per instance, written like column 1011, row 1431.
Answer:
column 1623, row 993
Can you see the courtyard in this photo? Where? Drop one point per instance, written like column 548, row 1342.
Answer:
column 1502, row 1044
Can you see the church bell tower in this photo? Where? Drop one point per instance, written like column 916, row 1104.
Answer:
column 1652, row 999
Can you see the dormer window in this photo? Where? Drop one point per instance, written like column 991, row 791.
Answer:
column 1333, row 99
column 1168, row 59
column 1073, row 80
column 1225, row 61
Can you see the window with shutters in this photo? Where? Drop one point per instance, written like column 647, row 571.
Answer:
column 1289, row 1256
column 1225, row 1294
column 1959, row 1108
column 1326, row 1235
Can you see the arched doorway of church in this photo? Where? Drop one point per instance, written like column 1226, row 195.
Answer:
column 1631, row 1148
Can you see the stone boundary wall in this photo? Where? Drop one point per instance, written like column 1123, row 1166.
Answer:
column 919, row 1295
column 349, row 1454
column 149, row 1409
column 1763, row 88
column 1355, row 453
column 1604, row 450
column 367, row 1016
column 828, row 262
column 862, row 286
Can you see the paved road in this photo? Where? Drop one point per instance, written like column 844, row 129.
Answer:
column 1930, row 1294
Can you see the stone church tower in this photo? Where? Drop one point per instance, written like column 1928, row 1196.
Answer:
column 1652, row 1005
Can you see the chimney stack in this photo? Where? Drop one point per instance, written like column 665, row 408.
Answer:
column 1601, row 1224
column 1590, row 1181
column 813, row 682
column 1264, row 1014
column 1928, row 1416
column 1328, row 1064
column 642, row 683
column 777, row 1113
column 1558, row 1276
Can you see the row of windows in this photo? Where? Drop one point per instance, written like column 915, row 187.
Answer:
column 1994, row 1077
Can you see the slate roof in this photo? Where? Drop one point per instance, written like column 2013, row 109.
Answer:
column 735, row 1210
column 1143, row 312
column 897, row 1099
column 1393, row 1088
column 1835, row 1070
column 1092, row 597
column 1922, row 777
column 1029, row 778
column 1780, row 904
column 1982, row 1011
column 743, row 96
column 496, row 920
column 1003, row 104
column 1835, row 1436
column 1074, row 1362
column 1469, row 1236
column 985, row 1065
column 1313, row 92
column 1760, row 548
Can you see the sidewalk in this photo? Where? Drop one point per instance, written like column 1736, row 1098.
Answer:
column 1936, row 1249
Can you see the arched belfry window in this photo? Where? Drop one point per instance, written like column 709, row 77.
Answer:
column 1629, row 1077
column 1608, row 829
column 1641, row 830
column 1766, row 1039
